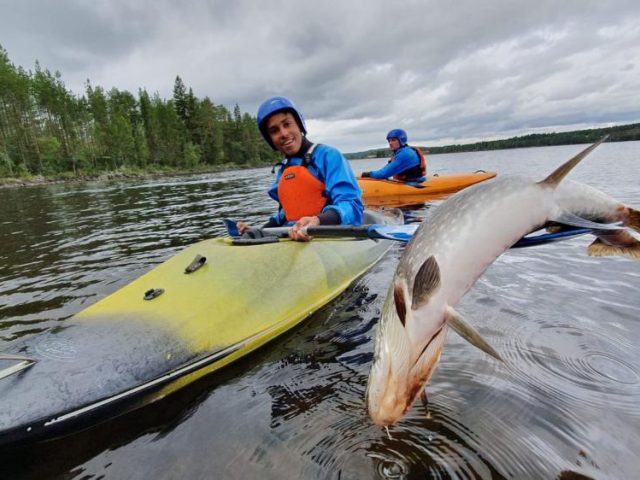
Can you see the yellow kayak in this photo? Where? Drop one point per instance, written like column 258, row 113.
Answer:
column 391, row 192
column 126, row 351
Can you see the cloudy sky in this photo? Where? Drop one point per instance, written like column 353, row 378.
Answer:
column 446, row 71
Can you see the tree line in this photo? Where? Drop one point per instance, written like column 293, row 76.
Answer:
column 47, row 130
column 619, row 133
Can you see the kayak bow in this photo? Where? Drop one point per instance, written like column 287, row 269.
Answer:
column 207, row 306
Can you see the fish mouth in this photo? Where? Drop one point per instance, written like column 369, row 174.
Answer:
column 392, row 391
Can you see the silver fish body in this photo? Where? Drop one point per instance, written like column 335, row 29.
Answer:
column 443, row 260
column 589, row 202
column 470, row 230
column 592, row 204
column 465, row 234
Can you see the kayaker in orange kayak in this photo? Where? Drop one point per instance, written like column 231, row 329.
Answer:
column 315, row 184
column 406, row 164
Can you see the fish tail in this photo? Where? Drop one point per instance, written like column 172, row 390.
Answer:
column 634, row 219
column 600, row 249
column 562, row 171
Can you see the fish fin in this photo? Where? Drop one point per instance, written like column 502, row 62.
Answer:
column 425, row 282
column 562, row 171
column 601, row 249
column 398, row 300
column 470, row 334
column 634, row 219
column 618, row 238
column 567, row 218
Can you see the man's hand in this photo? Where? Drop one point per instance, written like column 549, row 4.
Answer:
column 365, row 174
column 295, row 232
column 242, row 227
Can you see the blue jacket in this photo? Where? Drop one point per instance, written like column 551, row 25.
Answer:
column 405, row 158
column 341, row 186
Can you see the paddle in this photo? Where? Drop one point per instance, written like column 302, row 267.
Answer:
column 542, row 238
column 400, row 233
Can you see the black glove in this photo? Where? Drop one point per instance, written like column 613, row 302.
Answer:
column 365, row 174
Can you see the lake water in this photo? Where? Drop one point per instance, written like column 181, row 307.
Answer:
column 564, row 405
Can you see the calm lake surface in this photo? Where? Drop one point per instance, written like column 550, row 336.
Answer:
column 565, row 405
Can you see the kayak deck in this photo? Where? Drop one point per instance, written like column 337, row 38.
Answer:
column 392, row 192
column 124, row 351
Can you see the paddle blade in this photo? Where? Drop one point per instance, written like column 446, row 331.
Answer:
column 399, row 233
column 533, row 240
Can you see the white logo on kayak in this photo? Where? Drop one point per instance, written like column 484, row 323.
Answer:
column 57, row 350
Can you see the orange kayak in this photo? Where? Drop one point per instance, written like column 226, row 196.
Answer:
column 391, row 192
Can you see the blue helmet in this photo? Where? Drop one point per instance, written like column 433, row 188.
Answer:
column 398, row 133
column 273, row 105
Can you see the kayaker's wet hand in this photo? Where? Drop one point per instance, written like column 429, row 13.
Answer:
column 365, row 174
column 242, row 227
column 296, row 233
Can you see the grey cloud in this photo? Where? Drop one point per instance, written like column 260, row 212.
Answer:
column 439, row 69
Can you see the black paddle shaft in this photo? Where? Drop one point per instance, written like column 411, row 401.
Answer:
column 360, row 231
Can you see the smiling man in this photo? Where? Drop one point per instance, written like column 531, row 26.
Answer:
column 315, row 184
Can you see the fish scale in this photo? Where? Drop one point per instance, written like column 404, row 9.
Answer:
column 447, row 239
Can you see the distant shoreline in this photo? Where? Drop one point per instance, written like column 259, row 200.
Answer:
column 619, row 133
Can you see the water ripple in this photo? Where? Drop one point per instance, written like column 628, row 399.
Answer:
column 562, row 405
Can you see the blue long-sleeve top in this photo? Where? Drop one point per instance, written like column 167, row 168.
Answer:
column 404, row 159
column 341, row 186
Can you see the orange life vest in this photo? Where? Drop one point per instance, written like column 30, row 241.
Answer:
column 413, row 172
column 300, row 193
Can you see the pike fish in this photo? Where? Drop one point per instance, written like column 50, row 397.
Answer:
column 446, row 256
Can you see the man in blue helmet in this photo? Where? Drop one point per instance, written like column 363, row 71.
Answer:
column 406, row 164
column 315, row 184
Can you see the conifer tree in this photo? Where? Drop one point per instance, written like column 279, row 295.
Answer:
column 45, row 129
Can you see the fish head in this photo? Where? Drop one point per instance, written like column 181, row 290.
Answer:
column 409, row 342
